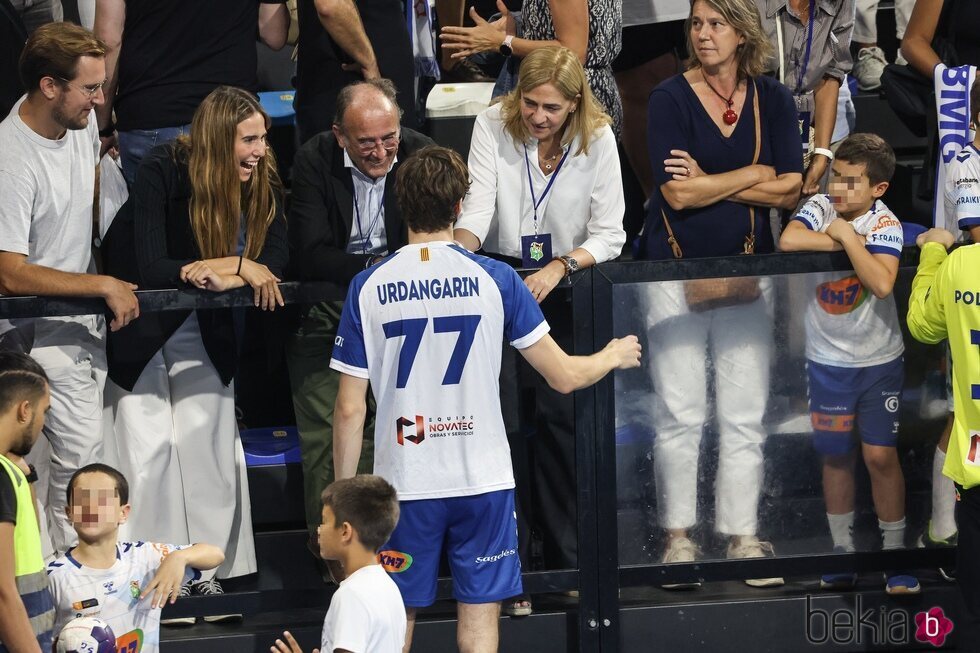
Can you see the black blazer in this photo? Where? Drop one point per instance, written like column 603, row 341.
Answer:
column 321, row 209
column 148, row 242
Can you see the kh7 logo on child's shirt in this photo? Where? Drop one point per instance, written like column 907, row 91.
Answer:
column 841, row 296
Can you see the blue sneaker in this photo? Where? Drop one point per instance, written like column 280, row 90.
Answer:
column 899, row 583
column 843, row 581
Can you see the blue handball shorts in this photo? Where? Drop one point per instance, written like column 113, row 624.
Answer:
column 479, row 535
column 845, row 398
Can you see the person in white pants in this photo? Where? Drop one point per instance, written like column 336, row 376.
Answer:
column 870, row 58
column 171, row 399
column 50, row 146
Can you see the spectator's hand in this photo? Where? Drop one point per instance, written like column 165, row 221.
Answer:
column 625, row 352
column 289, row 646
column 368, row 72
column 119, row 297
column 814, row 173
column 840, row 229
column 682, row 166
column 109, row 144
column 165, row 585
column 544, row 280
column 200, row 275
column 267, row 294
column 936, row 235
column 483, row 37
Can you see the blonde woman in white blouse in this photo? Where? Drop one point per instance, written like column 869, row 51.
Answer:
column 545, row 167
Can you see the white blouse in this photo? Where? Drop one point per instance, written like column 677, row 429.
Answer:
column 584, row 207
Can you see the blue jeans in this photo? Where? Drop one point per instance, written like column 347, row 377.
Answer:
column 136, row 143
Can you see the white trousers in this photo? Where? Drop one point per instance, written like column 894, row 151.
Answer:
column 175, row 437
column 72, row 353
column 739, row 341
column 865, row 27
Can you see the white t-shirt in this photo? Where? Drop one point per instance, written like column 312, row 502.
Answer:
column 46, row 193
column 642, row 12
column 112, row 594
column 846, row 325
column 426, row 326
column 962, row 193
column 366, row 615
column 584, row 207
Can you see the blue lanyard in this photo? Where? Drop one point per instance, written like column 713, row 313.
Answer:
column 374, row 221
column 535, row 202
column 801, row 73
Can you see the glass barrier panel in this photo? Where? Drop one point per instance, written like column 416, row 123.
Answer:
column 740, row 423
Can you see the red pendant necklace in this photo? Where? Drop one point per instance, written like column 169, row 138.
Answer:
column 729, row 117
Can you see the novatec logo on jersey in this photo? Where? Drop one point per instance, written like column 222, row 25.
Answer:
column 403, row 426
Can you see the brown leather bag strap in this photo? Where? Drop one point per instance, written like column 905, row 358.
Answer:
column 675, row 246
column 749, row 246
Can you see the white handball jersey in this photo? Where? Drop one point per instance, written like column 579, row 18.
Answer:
column 962, row 192
column 113, row 594
column 846, row 325
column 426, row 327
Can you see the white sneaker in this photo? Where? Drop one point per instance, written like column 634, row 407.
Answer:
column 749, row 546
column 868, row 68
column 680, row 549
column 899, row 59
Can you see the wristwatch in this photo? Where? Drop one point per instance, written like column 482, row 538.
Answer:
column 32, row 476
column 571, row 265
column 505, row 47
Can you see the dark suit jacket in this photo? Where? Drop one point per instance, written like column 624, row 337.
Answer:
column 147, row 244
column 322, row 207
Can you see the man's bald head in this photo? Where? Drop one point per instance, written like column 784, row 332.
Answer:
column 367, row 125
column 367, row 95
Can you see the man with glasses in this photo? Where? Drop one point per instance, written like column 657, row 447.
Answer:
column 49, row 146
column 343, row 218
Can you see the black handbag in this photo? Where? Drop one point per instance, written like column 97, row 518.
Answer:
column 909, row 94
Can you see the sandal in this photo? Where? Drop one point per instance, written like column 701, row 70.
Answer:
column 518, row 606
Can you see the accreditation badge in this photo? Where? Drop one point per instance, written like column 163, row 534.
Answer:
column 535, row 250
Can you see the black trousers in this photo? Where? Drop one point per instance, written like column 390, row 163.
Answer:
column 540, row 426
column 968, row 561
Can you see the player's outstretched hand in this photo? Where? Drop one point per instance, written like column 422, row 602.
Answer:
column 289, row 646
column 165, row 585
column 625, row 352
column 936, row 235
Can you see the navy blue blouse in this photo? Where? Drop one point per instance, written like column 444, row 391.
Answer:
column 678, row 121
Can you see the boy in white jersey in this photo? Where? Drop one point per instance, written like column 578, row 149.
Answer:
column 854, row 345
column 425, row 327
column 123, row 583
column 366, row 612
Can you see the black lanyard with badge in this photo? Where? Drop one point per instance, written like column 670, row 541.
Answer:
column 366, row 244
column 804, row 100
column 536, row 248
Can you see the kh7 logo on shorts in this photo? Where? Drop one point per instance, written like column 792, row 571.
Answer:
column 403, row 423
column 394, row 562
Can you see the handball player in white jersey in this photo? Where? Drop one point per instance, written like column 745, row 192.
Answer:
column 423, row 328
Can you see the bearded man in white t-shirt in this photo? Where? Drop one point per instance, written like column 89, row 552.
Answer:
column 49, row 146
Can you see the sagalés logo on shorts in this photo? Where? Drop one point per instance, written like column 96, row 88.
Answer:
column 841, row 296
column 403, row 426
column 394, row 562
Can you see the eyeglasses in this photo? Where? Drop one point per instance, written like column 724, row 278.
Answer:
column 369, row 145
column 89, row 90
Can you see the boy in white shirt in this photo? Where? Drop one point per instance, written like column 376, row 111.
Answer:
column 854, row 345
column 123, row 583
column 366, row 612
